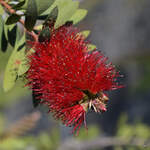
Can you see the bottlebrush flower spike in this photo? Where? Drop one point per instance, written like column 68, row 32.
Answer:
column 68, row 78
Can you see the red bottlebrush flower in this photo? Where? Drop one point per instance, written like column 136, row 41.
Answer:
column 68, row 78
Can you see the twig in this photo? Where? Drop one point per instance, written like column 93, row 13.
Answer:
column 12, row 11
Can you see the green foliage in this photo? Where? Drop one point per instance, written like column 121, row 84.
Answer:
column 84, row 33
column 1, row 10
column 51, row 19
column 13, row 18
column 31, row 15
column 6, row 28
column 49, row 142
column 78, row 15
column 12, row 67
column 128, row 131
column 23, row 67
column 15, row 93
column 8, row 35
column 4, row 42
column 89, row 134
column 49, row 22
column 66, row 9
column 19, row 5
column 44, row 5
column 12, row 35
column 44, row 141
column 13, row 144
column 41, row 6
column 44, row 35
column 91, row 47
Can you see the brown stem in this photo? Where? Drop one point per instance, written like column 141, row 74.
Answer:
column 12, row 11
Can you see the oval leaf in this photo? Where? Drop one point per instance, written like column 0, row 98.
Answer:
column 51, row 19
column 91, row 47
column 65, row 10
column 43, row 6
column 10, row 74
column 4, row 42
column 12, row 35
column 19, row 5
column 23, row 67
column 78, row 16
column 31, row 15
column 84, row 33
column 12, row 19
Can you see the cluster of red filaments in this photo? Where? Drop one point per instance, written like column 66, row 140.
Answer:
column 68, row 78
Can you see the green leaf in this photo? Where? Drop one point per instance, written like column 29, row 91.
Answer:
column 91, row 47
column 24, row 66
column 18, row 34
column 9, row 35
column 49, row 10
column 19, row 5
column 66, row 9
column 84, row 33
column 14, row 18
column 51, row 19
column 43, row 6
column 10, row 74
column 1, row 10
column 6, row 31
column 44, row 35
column 31, row 15
column 12, row 35
column 4, row 42
column 1, row 29
column 8, row 28
column 78, row 16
